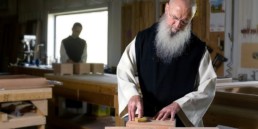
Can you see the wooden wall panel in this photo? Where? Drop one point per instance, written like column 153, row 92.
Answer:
column 201, row 28
column 136, row 16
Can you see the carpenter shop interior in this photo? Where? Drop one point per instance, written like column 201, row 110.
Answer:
column 128, row 64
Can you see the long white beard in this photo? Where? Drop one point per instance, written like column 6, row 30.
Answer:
column 169, row 44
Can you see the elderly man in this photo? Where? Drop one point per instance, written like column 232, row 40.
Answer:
column 175, row 73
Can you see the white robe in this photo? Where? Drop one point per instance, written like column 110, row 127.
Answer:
column 193, row 105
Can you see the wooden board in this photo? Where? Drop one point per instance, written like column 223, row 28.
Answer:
column 155, row 128
column 249, row 55
column 22, row 82
column 26, row 120
column 155, row 124
column 236, row 84
column 25, row 94
column 3, row 117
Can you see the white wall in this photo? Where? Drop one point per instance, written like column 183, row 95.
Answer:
column 243, row 10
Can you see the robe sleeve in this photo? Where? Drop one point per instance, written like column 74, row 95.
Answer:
column 63, row 56
column 195, row 104
column 127, row 82
column 84, row 54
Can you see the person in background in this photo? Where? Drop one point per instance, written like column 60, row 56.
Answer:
column 73, row 48
column 175, row 77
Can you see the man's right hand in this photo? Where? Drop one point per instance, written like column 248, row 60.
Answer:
column 135, row 103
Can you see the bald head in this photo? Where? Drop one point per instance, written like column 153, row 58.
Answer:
column 188, row 6
column 179, row 13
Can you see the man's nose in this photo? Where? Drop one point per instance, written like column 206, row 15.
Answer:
column 178, row 24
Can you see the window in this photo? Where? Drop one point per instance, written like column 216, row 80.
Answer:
column 95, row 32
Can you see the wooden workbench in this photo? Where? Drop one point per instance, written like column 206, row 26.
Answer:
column 15, row 88
column 235, row 105
column 95, row 89
column 30, row 70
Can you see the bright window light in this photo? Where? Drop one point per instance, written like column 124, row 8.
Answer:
column 95, row 32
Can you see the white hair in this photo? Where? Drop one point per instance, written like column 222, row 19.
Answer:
column 168, row 44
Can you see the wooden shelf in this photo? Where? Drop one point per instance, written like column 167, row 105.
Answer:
column 29, row 119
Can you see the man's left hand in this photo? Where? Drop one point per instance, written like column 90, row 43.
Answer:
column 168, row 111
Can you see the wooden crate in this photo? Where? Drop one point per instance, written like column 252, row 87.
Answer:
column 81, row 68
column 63, row 69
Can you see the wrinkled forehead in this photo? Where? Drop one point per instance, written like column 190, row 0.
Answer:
column 180, row 8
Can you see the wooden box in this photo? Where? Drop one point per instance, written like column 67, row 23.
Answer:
column 81, row 68
column 152, row 124
column 97, row 68
column 63, row 69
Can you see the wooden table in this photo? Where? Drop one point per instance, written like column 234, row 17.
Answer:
column 95, row 89
column 16, row 88
column 235, row 105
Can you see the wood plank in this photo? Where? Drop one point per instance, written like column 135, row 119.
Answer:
column 22, row 81
column 155, row 128
column 155, row 124
column 223, row 80
column 237, row 84
column 3, row 117
column 106, row 84
column 25, row 94
column 30, row 119
column 42, row 106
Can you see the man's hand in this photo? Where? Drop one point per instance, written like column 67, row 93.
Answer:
column 135, row 103
column 168, row 111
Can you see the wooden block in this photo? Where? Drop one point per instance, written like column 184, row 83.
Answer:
column 3, row 117
column 128, row 128
column 195, row 128
column 63, row 69
column 81, row 68
column 249, row 55
column 25, row 94
column 97, row 68
column 155, row 128
column 153, row 124
column 8, row 82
